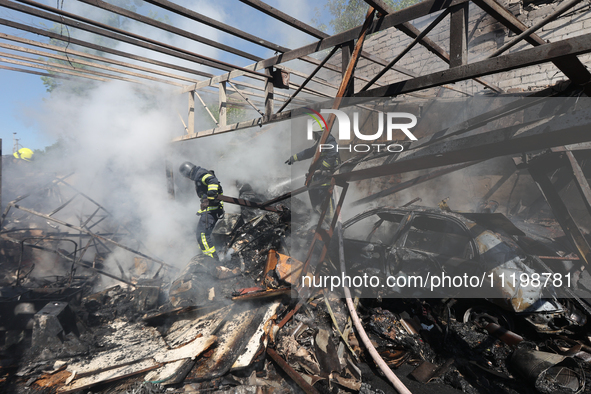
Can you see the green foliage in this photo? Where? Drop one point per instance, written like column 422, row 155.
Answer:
column 347, row 14
column 57, row 149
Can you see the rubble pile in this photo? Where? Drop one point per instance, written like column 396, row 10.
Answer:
column 242, row 325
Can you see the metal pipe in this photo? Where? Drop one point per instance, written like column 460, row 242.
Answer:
column 398, row 385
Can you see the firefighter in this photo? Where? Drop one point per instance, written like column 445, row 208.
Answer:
column 24, row 154
column 208, row 188
column 330, row 159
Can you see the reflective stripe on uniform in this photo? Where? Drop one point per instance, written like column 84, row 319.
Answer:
column 325, row 164
column 204, row 177
column 295, row 157
column 209, row 251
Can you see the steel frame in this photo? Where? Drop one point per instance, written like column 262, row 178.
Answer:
column 84, row 229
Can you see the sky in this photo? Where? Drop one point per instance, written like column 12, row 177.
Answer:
column 22, row 94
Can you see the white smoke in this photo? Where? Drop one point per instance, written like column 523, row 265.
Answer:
column 118, row 137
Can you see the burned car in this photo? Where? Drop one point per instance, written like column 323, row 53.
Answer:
column 426, row 253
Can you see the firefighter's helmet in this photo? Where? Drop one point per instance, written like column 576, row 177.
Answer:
column 317, row 130
column 186, row 168
column 24, row 153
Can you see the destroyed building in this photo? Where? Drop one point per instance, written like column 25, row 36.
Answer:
column 449, row 254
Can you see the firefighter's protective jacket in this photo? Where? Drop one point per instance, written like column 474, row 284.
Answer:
column 329, row 158
column 207, row 187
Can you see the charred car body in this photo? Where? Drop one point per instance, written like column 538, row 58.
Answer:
column 420, row 252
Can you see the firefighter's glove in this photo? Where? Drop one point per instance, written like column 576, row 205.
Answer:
column 204, row 205
column 291, row 160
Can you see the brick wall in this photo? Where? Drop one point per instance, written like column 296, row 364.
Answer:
column 485, row 36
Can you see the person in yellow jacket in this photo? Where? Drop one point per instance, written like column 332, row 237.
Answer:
column 207, row 187
column 24, row 154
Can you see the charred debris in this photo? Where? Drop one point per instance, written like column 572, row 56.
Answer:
column 72, row 323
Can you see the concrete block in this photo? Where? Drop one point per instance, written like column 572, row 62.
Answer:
column 52, row 323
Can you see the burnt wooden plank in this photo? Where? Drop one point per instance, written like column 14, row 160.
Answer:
column 568, row 128
column 580, row 180
column 562, row 214
column 458, row 36
column 527, row 57
column 569, row 65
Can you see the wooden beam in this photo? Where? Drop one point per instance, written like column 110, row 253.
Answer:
column 56, row 70
column 238, row 33
column 191, row 114
column 172, row 29
column 348, row 74
column 417, row 39
column 57, row 67
column 569, row 65
column 527, row 57
column 285, row 18
column 100, row 48
column 458, row 36
column 558, row 130
column 346, row 52
column 438, row 51
column 105, row 30
column 423, row 8
column 233, row 127
column 222, row 105
column 429, row 44
column 380, row 6
column 207, row 109
column 580, row 180
column 308, row 79
column 83, row 62
column 413, row 182
column 571, row 46
column 22, row 70
column 180, row 10
column 241, row 94
column 562, row 214
column 562, row 8
column 269, row 96
column 78, row 54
